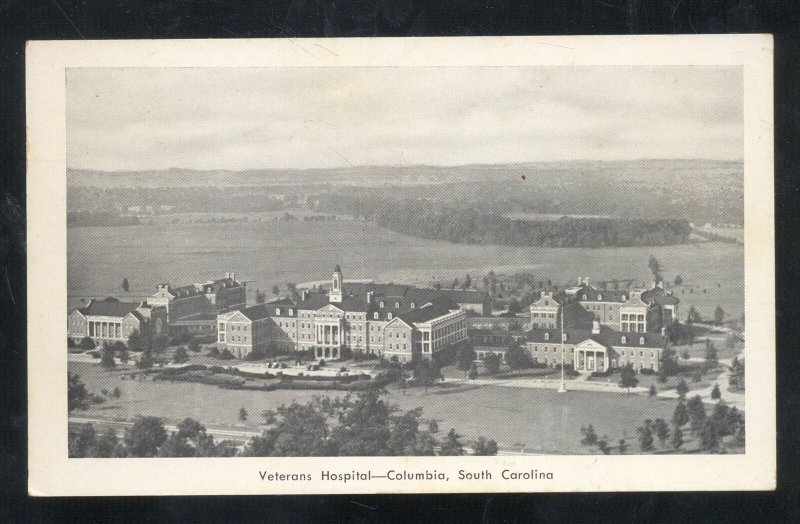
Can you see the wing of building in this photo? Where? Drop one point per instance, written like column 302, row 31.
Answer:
column 394, row 321
column 109, row 320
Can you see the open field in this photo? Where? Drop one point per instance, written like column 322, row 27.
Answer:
column 543, row 421
column 268, row 253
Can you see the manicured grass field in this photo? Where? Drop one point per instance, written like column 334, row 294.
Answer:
column 540, row 420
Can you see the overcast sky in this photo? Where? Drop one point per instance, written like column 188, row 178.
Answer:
column 131, row 119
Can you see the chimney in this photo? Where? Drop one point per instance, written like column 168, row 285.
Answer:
column 303, row 294
column 369, row 296
column 595, row 327
column 663, row 332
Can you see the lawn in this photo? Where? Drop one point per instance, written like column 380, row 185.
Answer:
column 540, row 420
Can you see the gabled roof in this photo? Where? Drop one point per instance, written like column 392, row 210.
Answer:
column 607, row 337
column 257, row 312
column 109, row 307
column 437, row 308
column 594, row 295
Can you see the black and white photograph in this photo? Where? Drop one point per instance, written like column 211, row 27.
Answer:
column 412, row 260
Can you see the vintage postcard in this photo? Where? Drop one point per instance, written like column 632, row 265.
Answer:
column 401, row 265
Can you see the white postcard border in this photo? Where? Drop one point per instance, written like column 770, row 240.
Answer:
column 51, row 473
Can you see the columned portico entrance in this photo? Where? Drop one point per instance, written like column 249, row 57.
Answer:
column 590, row 356
column 328, row 338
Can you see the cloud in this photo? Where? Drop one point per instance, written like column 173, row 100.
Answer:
column 228, row 118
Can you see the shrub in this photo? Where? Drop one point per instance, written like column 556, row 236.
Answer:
column 321, row 363
column 647, row 371
column 87, row 343
column 226, row 355
column 213, row 352
column 194, row 345
column 70, row 343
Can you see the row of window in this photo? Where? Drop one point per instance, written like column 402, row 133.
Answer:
column 544, row 315
column 632, row 317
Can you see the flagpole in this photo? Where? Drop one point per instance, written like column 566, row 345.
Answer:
column 562, row 388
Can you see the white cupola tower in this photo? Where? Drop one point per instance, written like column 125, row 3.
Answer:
column 336, row 285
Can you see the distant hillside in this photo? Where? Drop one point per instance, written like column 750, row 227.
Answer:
column 700, row 191
column 546, row 173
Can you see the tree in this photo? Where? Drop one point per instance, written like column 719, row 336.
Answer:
column 589, row 436
column 87, row 343
column 145, row 361
column 685, row 355
column 715, row 393
column 711, row 355
column 602, row 445
column 653, row 392
column 518, row 358
column 661, row 429
column 677, row 438
column 492, row 363
column 678, row 280
column 710, row 438
column 655, row 268
column 680, row 416
column 276, row 290
column 107, row 446
column 107, row 360
column 455, row 283
column 465, row 358
column 736, row 377
column 719, row 315
column 484, row 447
column 426, row 373
column 194, row 345
column 180, row 356
column 125, row 285
column 80, row 443
column 160, row 343
column 77, row 396
column 452, row 444
column 136, row 341
column 645, row 437
column 682, row 389
column 242, row 414
column 623, row 446
column 433, row 427
column 697, row 413
column 117, row 392
column 145, row 436
column 628, row 378
column 473, row 372
column 693, row 316
column 668, row 361
column 261, row 297
column 467, row 282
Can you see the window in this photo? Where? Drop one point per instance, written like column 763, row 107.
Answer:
column 397, row 305
column 413, row 305
column 641, row 341
column 277, row 311
column 375, row 315
column 622, row 353
column 641, row 353
column 291, row 312
column 382, row 304
column 599, row 297
column 584, row 297
column 564, row 337
column 389, row 316
column 624, row 340
column 222, row 327
column 547, row 336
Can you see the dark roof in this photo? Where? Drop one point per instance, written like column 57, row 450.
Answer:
column 608, row 295
column 222, row 283
column 190, row 319
column 314, row 301
column 109, row 307
column 607, row 337
column 460, row 296
column 437, row 308
column 337, row 269
column 491, row 348
column 257, row 312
